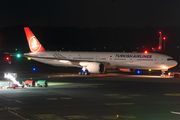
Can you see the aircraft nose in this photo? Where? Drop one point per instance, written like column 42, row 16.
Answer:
column 173, row 63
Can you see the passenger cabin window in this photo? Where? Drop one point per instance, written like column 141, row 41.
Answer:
column 170, row 59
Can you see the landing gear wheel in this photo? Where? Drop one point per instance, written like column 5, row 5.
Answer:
column 163, row 73
column 87, row 73
column 80, row 73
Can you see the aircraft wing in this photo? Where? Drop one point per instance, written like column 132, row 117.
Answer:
column 65, row 59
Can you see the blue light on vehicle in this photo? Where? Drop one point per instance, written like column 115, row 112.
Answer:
column 138, row 72
column 83, row 70
column 34, row 69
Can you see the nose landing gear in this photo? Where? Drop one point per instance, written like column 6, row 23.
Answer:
column 163, row 72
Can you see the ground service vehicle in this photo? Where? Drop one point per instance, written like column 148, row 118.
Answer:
column 41, row 83
column 29, row 83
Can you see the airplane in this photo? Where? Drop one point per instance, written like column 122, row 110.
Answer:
column 97, row 62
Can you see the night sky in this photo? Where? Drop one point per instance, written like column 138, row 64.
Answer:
column 90, row 13
column 90, row 25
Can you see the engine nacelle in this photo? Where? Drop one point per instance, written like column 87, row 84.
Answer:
column 94, row 67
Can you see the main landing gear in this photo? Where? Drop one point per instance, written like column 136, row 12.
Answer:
column 84, row 72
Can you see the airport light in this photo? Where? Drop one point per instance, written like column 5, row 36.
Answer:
column 145, row 51
column 7, row 58
column 18, row 55
column 34, row 69
column 160, row 40
column 164, row 38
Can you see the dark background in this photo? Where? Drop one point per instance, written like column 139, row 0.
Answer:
column 90, row 25
column 91, row 39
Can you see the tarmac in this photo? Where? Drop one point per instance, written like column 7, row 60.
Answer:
column 95, row 97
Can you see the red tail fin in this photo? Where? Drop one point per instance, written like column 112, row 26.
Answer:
column 34, row 44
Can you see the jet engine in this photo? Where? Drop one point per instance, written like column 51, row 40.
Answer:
column 94, row 67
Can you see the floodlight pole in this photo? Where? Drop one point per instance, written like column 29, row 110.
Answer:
column 160, row 41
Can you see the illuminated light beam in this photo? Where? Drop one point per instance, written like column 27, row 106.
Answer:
column 175, row 112
column 138, row 95
column 165, row 68
column 49, row 116
column 51, row 98
column 110, row 117
column 124, row 97
column 67, row 98
column 76, row 117
column 130, row 117
column 172, row 94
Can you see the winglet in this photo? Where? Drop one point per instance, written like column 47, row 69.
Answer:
column 34, row 44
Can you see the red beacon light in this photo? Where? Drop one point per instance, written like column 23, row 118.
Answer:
column 164, row 38
column 145, row 51
column 7, row 58
column 160, row 32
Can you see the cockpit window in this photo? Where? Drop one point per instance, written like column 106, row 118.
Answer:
column 170, row 59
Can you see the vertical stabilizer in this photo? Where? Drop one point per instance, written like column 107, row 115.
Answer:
column 34, row 44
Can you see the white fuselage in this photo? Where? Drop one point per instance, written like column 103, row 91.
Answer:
column 129, row 60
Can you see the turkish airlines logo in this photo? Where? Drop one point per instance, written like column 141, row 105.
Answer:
column 34, row 44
